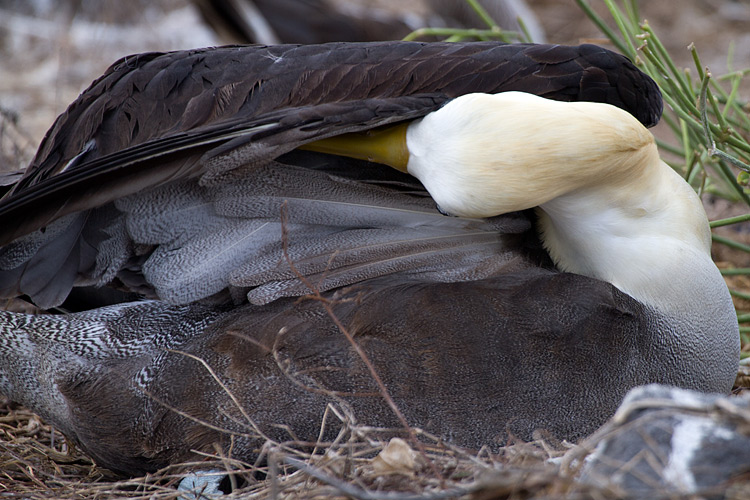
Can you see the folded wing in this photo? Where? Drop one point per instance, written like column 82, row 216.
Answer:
column 168, row 176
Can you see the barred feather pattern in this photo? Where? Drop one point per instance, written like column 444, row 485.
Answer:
column 65, row 348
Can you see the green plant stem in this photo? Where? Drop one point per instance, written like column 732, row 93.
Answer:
column 740, row 271
column 618, row 17
column 483, row 14
column 665, row 146
column 677, row 75
column 696, row 60
column 731, row 179
column 602, row 26
column 524, row 30
column 730, row 220
column 506, row 36
column 631, row 7
column 730, row 243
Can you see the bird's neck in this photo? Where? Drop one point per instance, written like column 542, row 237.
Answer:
column 647, row 234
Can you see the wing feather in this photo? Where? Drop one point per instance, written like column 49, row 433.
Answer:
column 175, row 167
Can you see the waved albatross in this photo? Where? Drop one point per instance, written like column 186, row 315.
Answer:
column 574, row 264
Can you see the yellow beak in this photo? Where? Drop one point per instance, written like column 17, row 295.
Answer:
column 386, row 145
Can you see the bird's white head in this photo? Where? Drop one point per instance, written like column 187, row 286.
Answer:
column 486, row 154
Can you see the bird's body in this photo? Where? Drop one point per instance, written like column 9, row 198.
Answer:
column 179, row 178
column 442, row 349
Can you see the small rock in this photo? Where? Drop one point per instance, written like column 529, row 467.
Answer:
column 396, row 458
column 201, row 485
column 674, row 441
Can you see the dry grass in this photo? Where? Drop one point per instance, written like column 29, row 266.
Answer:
column 38, row 463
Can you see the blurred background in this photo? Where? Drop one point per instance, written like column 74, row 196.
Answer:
column 50, row 50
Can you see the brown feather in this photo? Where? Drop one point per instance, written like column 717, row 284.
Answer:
column 151, row 116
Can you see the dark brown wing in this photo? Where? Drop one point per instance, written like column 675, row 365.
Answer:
column 153, row 118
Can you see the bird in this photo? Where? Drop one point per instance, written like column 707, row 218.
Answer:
column 490, row 224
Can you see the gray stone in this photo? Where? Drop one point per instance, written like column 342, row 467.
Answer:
column 666, row 441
